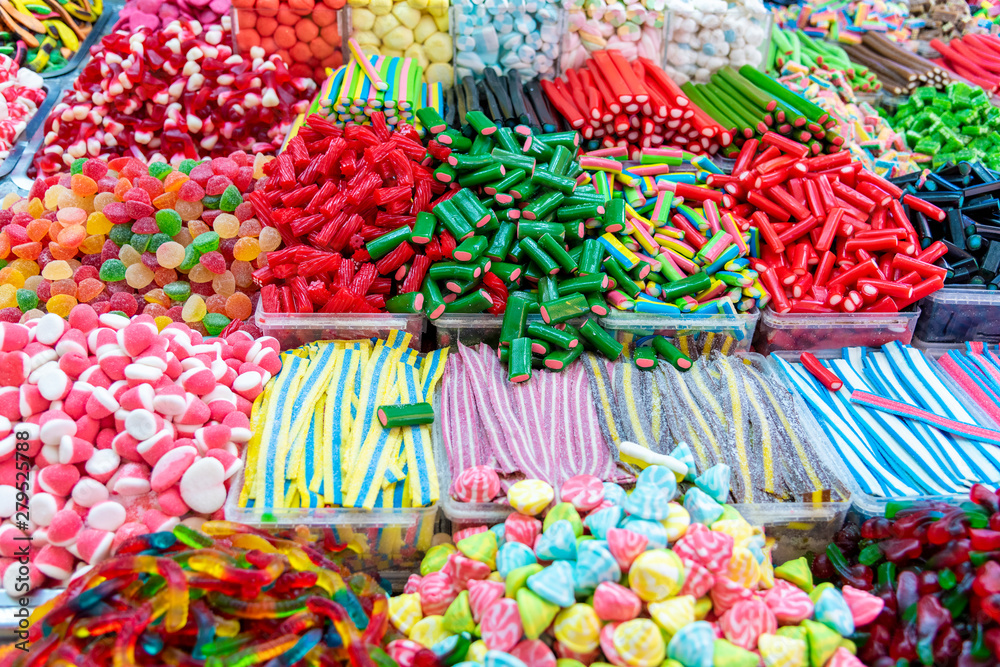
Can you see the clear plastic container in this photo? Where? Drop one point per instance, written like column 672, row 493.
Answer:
column 53, row 91
column 417, row 29
column 379, row 539
column 818, row 331
column 294, row 329
column 727, row 333
column 98, row 29
column 520, row 36
column 955, row 314
column 637, row 29
column 475, row 328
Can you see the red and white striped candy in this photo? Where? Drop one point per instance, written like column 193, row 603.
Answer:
column 482, row 595
column 726, row 592
column 625, row 545
column 523, row 529
column 584, row 492
column 478, row 484
column 437, row 591
column 55, row 562
column 864, row 606
column 501, row 625
column 534, row 653
column 713, row 549
column 94, row 545
column 746, row 621
column 790, row 604
column 614, row 602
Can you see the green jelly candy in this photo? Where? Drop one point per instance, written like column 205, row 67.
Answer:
column 26, row 300
column 231, row 198
column 140, row 242
column 169, row 221
column 77, row 166
column 187, row 165
column 179, row 290
column 215, row 323
column 120, row 234
column 436, row 558
column 156, row 240
column 207, row 242
column 191, row 257
column 211, row 202
column 112, row 271
column 160, row 170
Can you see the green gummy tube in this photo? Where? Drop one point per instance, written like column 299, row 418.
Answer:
column 669, row 351
column 543, row 259
column 622, row 280
column 573, row 170
column 454, row 140
column 581, row 196
column 515, row 317
column 481, row 145
column 601, row 340
column 443, row 270
column 540, row 346
column 548, row 289
column 470, row 249
column 590, row 259
column 449, row 216
column 474, row 302
column 433, row 300
column 516, row 254
column 494, row 172
column 383, row 245
column 560, row 359
column 531, row 229
column 597, row 305
column 523, row 190
column 505, row 137
column 593, row 282
column 469, row 162
column 491, row 226
column 480, row 122
column 564, row 308
column 772, row 87
column 543, row 205
column 409, row 302
column 555, row 249
column 576, row 252
column 445, row 173
column 514, row 160
column 569, row 139
column 614, row 215
column 563, row 339
column 692, row 284
column 537, row 148
column 432, row 120
column 423, row 228
column 640, row 271
column 580, row 211
column 470, row 207
column 455, row 286
column 645, row 358
column 561, row 158
column 499, row 189
column 519, row 360
column 500, row 244
column 546, row 179
column 410, row 414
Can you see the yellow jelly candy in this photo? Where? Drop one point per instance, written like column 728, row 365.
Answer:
column 162, row 322
column 428, row 631
column 639, row 643
column 11, row 276
column 98, row 223
column 8, row 296
column 57, row 270
column 129, row 255
column 138, row 275
column 194, row 309
column 656, row 575
column 92, row 244
column 673, row 614
column 530, row 496
column 60, row 304
column 26, row 267
column 578, row 628
column 35, row 207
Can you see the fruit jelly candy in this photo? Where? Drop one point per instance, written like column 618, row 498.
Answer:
column 191, row 256
column 38, row 229
column 170, row 255
column 138, row 275
column 169, row 222
column 183, row 237
column 156, row 240
column 226, row 226
column 160, row 170
column 146, row 225
column 11, row 276
column 57, row 251
column 111, row 250
column 61, row 304
column 200, row 274
column 201, row 173
column 231, row 198
column 157, row 296
column 140, row 242
column 246, row 249
column 113, row 270
column 64, row 286
column 215, row 323
column 125, row 302
column 238, row 306
column 83, row 185
column 32, row 282
column 57, row 270
column 27, row 250
column 216, row 304
column 206, row 242
column 83, row 272
column 174, row 181
column 8, row 296
column 12, row 314
column 189, row 210
column 214, row 262
column 154, row 310
column 101, row 200
column 178, row 291
column 92, row 244
column 224, row 284
column 44, row 290
column 249, row 227
column 196, row 228
column 244, row 211
column 194, row 309
column 150, row 184
column 129, row 255
column 243, row 273
column 88, row 289
column 226, row 247
column 71, row 215
column 120, row 234
column 216, row 185
column 26, row 299
column 26, row 267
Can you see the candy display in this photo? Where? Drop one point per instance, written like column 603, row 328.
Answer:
column 417, row 29
column 181, row 244
column 706, row 35
column 795, row 51
column 205, row 87
column 46, row 35
column 975, row 57
column 519, row 36
column 305, row 34
column 23, row 92
column 633, row 28
column 899, row 70
column 847, row 22
column 941, row 19
column 155, row 14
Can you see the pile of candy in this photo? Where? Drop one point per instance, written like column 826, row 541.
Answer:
column 46, row 35
column 416, row 29
column 128, row 430
column 222, row 595
column 797, row 52
column 940, row 19
column 899, row 69
column 847, row 22
column 119, row 235
column 507, row 36
column 172, row 94
column 156, row 14
column 633, row 28
column 974, row 57
column 22, row 94
column 629, row 579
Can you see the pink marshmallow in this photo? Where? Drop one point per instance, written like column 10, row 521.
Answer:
column 171, row 467
column 94, row 545
column 230, row 462
column 13, row 336
column 53, row 425
column 152, row 449
column 156, row 521
column 172, row 503
column 103, row 465
column 14, row 579
column 58, row 479
column 89, row 492
column 11, row 540
column 170, row 401
column 138, row 398
column 63, row 529
column 132, row 479
column 50, row 329
column 74, row 450
column 108, row 515
column 43, row 507
column 55, row 562
column 73, row 341
column 136, row 337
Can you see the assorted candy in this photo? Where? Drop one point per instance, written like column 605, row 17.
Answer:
column 634, row 28
column 23, row 92
column 45, row 36
column 798, row 52
column 899, row 69
column 156, row 14
column 416, row 29
column 973, row 57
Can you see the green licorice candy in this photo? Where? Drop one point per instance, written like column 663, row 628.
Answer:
column 537, row 148
column 494, row 172
column 445, row 173
column 601, row 340
column 579, row 211
column 561, row 157
column 514, row 160
column 460, row 287
column 590, row 259
column 470, row 207
column 569, row 139
column 480, row 122
column 543, row 205
column 515, row 317
column 523, row 190
column 410, row 302
column 640, row 271
column 548, row 289
column 622, row 280
column 535, row 230
column 443, row 270
column 452, row 220
column 669, row 351
column 474, row 302
column 557, row 251
column 470, row 249
column 499, row 190
column 505, row 137
column 516, row 254
column 509, row 273
column 581, row 196
column 564, row 308
column 594, row 282
column 423, row 228
column 504, row 215
column 552, row 335
column 575, row 231
column 692, row 284
column 500, row 244
column 410, row 414
column 614, row 216
column 543, row 259
column 540, row 346
column 454, row 140
column 481, row 145
column 519, row 360
column 645, row 358
column 597, row 305
column 433, row 300
column 560, row 359
column 469, row 162
column 576, row 252
column 432, row 120
column 546, row 179
column 771, row 87
column 383, row 245
column 491, row 226
column 574, row 170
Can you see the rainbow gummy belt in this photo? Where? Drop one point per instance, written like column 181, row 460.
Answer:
column 224, row 595
column 317, row 442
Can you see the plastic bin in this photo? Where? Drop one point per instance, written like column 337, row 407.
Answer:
column 520, row 36
column 957, row 314
column 703, row 333
column 473, row 329
column 635, row 29
column 702, row 40
column 794, row 331
column 294, row 329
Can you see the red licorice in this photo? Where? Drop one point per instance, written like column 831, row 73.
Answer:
column 171, row 94
column 834, row 237
column 331, row 191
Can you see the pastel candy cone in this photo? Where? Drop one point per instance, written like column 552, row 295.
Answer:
column 796, row 572
column 554, row 583
column 677, row 522
column 715, row 482
column 518, row 578
column 534, row 653
column 779, row 651
column 405, row 611
column 594, row 566
column 557, row 542
column 481, row 547
column 823, row 642
column 482, row 594
column 865, row 607
column 584, row 492
column 746, row 621
column 712, row 549
column 674, row 613
column 614, row 602
column 693, row 645
column 462, row 570
column 682, row 452
column 625, row 545
column 522, row 528
column 513, row 555
column 727, row 654
column 726, row 593
column 428, row 631
column 659, row 477
column 501, row 625
column 501, row 659
column 640, row 643
column 435, row 558
column 601, row 521
column 536, row 614
column 702, row 507
column 564, row 512
column 788, row 603
column 614, row 494
column 833, row 612
column 458, row 618
column 698, row 581
column 648, row 502
column 844, row 658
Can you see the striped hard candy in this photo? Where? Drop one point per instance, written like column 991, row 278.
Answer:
column 482, row 595
column 701, row 507
column 530, row 496
column 614, row 494
column 674, row 613
column 564, row 512
column 780, row 651
column 746, row 621
column 715, row 482
column 832, row 611
column 403, row 651
column 462, row 570
column 865, row 607
column 790, row 604
column 512, row 556
column 501, row 659
column 743, row 568
column 676, row 522
column 554, row 584
column 726, row 592
column 584, row 492
column 625, row 545
column 594, row 566
column 698, row 581
column 578, row 629
column 682, row 452
column 614, row 602
column 601, row 521
column 405, row 611
column 608, row 645
column 557, row 543
column 659, row 477
column 648, row 502
column 692, row 645
column 522, row 528
column 458, row 618
column 656, row 575
column 844, row 658
column 652, row 530
column 534, row 653
column 711, row 549
column 478, row 484
column 501, row 625
column 536, row 614
column 429, row 630
column 437, row 590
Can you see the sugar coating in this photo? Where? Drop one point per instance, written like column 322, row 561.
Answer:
column 707, row 35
